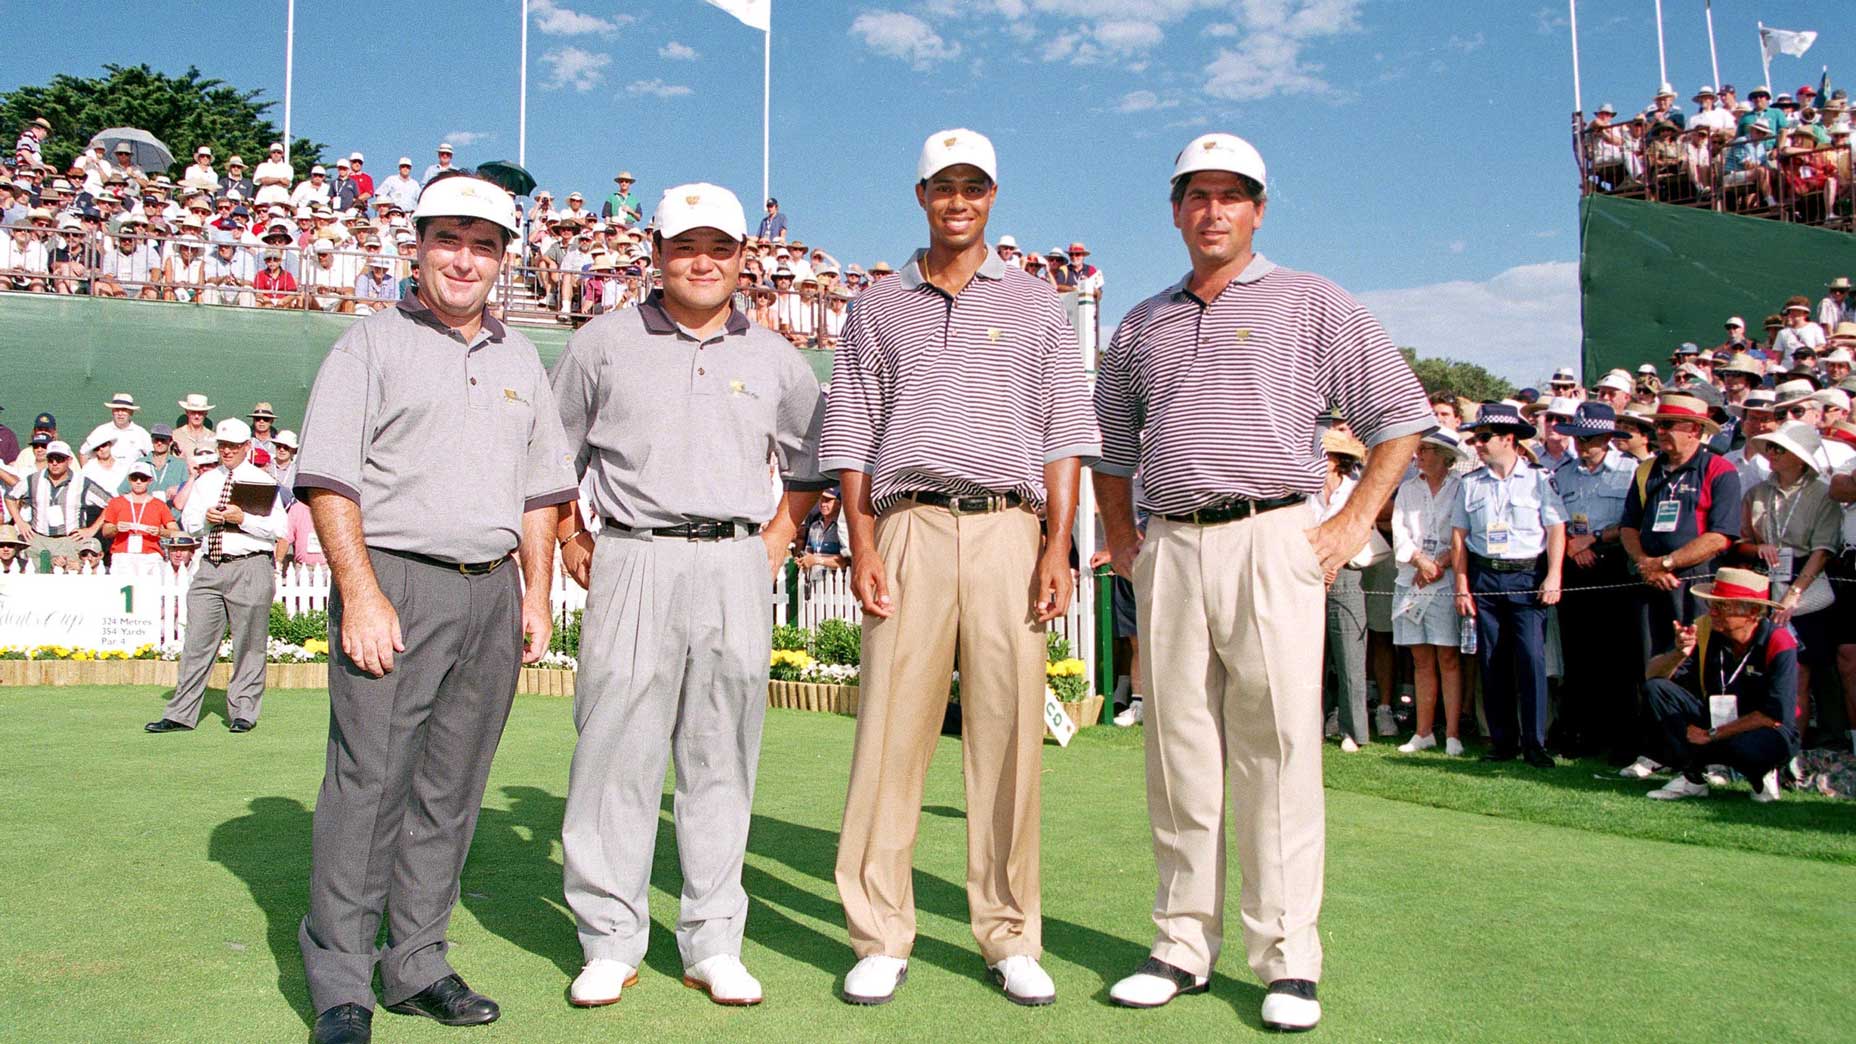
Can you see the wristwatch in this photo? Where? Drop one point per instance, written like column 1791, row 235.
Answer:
column 1712, row 733
column 1668, row 562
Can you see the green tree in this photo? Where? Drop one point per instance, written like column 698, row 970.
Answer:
column 1467, row 380
column 185, row 112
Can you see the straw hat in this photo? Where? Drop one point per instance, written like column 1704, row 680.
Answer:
column 1737, row 585
column 1679, row 406
column 1342, row 444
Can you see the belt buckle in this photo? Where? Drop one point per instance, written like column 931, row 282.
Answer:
column 464, row 568
column 955, row 506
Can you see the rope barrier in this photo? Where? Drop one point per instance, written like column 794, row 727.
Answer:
column 1424, row 593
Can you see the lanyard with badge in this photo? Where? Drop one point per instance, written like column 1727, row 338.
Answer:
column 1668, row 510
column 134, row 543
column 1496, row 541
column 1781, row 571
column 1434, row 517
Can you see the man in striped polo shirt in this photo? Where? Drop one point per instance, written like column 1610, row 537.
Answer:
column 1210, row 389
column 958, row 408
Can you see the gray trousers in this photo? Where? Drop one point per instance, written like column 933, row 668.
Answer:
column 674, row 650
column 408, row 758
column 238, row 592
column 1345, row 688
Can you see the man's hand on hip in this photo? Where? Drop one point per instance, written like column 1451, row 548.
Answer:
column 1338, row 539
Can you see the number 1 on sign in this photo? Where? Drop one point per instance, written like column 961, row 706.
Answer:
column 128, row 598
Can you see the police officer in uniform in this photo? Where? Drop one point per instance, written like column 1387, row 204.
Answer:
column 675, row 641
column 1597, row 701
column 1508, row 535
column 432, row 452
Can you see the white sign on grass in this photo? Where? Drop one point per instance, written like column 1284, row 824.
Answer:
column 79, row 612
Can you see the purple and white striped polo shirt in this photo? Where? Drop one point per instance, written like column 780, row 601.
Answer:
column 1211, row 400
column 965, row 394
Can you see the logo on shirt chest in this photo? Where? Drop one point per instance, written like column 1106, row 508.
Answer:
column 993, row 334
column 510, row 395
column 1243, row 334
column 740, row 389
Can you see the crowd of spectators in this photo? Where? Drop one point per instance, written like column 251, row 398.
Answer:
column 338, row 241
column 1786, row 157
column 1737, row 460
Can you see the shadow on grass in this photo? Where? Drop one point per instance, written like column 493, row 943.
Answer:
column 211, row 704
column 268, row 849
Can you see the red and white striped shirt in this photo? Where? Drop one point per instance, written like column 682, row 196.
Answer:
column 965, row 394
column 1213, row 400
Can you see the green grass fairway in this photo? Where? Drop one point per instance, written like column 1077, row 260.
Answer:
column 151, row 888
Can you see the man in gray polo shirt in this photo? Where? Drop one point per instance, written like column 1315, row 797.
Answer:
column 432, row 449
column 677, row 408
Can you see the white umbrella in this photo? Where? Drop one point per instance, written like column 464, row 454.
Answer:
column 146, row 151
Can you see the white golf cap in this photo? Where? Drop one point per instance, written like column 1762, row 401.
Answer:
column 232, row 430
column 205, row 455
column 947, row 148
column 405, row 161
column 444, row 146
column 463, row 196
column 1219, row 151
column 700, row 205
column 357, row 156
column 142, row 468
column 1008, row 241
column 59, row 448
column 285, row 438
column 1615, row 381
column 1734, row 320
column 317, row 169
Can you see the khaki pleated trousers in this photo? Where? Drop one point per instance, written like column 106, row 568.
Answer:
column 1231, row 622
column 958, row 583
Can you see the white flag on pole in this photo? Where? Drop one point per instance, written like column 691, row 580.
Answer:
column 1773, row 41
column 758, row 14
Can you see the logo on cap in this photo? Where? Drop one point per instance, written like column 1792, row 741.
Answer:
column 949, row 142
column 1211, row 145
column 692, row 200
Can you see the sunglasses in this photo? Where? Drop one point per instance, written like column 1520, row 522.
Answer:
column 1775, row 450
column 1670, row 425
column 1795, row 412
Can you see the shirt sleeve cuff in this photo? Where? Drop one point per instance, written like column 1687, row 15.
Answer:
column 1106, row 467
column 803, row 485
column 833, row 465
column 1090, row 452
column 559, row 496
column 1388, row 432
column 334, row 485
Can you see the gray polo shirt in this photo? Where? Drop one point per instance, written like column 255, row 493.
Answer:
column 443, row 444
column 673, row 428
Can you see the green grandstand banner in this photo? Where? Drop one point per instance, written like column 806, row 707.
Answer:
column 68, row 355
column 1652, row 275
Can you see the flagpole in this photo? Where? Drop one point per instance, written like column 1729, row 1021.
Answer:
column 766, row 105
column 289, row 67
column 1714, row 60
column 1578, row 105
column 1765, row 60
column 522, row 97
column 1662, row 61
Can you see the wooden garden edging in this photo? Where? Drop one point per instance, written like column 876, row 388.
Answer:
column 536, row 680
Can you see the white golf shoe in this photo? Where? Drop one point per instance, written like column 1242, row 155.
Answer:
column 601, row 982
column 1416, row 744
column 725, row 979
column 874, row 980
column 1155, row 983
column 1291, row 1006
column 1024, row 981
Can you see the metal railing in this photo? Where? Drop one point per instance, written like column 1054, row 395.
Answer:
column 1719, row 172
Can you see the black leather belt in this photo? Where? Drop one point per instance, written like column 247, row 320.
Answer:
column 467, row 568
column 701, row 529
column 223, row 559
column 1233, row 510
column 981, row 504
column 1505, row 565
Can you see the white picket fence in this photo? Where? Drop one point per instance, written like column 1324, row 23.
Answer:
column 306, row 588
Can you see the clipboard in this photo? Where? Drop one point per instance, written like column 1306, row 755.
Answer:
column 253, row 498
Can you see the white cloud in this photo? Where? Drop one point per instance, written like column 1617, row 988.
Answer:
column 677, row 52
column 1127, row 35
column 896, row 34
column 1535, row 306
column 1457, row 246
column 1466, row 44
column 464, row 139
column 1269, row 59
column 658, row 89
column 1144, row 101
column 555, row 20
column 574, row 67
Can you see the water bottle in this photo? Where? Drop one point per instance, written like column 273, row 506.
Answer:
column 1466, row 635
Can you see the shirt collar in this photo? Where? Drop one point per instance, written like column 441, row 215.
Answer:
column 1258, row 267
column 658, row 321
column 412, row 308
column 913, row 278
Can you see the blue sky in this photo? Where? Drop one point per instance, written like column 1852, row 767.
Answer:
column 1419, row 153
